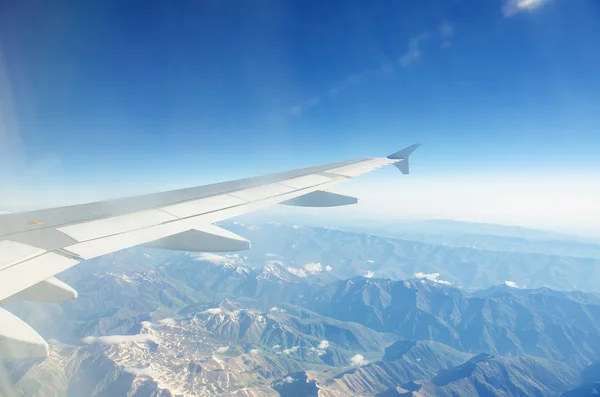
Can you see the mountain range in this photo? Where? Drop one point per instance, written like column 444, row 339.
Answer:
column 316, row 310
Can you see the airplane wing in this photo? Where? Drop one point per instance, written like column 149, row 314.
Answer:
column 36, row 245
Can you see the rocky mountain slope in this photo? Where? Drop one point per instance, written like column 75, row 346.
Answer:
column 307, row 311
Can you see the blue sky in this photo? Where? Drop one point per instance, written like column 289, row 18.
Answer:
column 102, row 98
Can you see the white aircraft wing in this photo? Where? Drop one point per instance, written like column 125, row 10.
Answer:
column 36, row 245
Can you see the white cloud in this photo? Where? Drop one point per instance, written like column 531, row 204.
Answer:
column 370, row 274
column 215, row 258
column 288, row 379
column 313, row 267
column 512, row 7
column 276, row 346
column 357, row 360
column 276, row 309
column 255, row 352
column 290, row 350
column 296, row 272
column 167, row 321
column 321, row 349
column 435, row 277
column 414, row 49
column 318, row 352
column 215, row 310
column 120, row 339
column 328, row 268
column 511, row 284
column 149, row 372
column 222, row 349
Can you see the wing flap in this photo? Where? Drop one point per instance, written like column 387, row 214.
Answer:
column 14, row 252
column 23, row 275
column 102, row 246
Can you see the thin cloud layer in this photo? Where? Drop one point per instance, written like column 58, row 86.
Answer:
column 414, row 50
column 149, row 372
column 513, row 7
column 120, row 339
column 216, row 310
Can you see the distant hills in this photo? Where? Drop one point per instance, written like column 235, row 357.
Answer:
column 317, row 310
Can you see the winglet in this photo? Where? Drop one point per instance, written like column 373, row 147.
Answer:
column 403, row 155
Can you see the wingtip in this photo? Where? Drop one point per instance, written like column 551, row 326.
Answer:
column 404, row 153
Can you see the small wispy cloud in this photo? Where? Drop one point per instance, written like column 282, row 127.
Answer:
column 323, row 345
column 297, row 110
column 149, row 372
column 513, row 7
column 119, row 339
column 297, row 272
column 446, row 31
column 216, row 310
column 370, row 274
column 321, row 349
column 167, row 321
column 357, row 360
column 214, row 258
column 290, row 350
column 435, row 277
column 255, row 352
column 414, row 49
column 222, row 349
column 511, row 284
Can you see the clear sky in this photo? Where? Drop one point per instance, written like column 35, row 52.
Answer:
column 109, row 98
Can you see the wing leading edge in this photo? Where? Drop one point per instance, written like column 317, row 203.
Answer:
column 36, row 245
